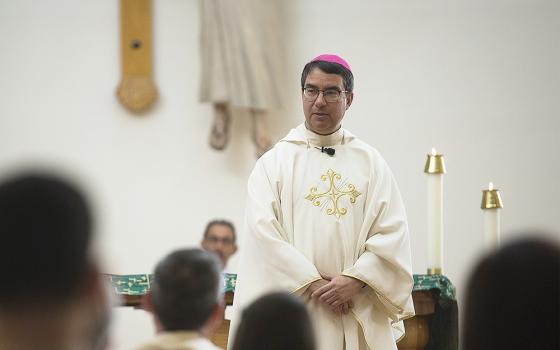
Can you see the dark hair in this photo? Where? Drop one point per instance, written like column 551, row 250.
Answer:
column 276, row 321
column 45, row 230
column 513, row 299
column 186, row 287
column 220, row 222
column 330, row 68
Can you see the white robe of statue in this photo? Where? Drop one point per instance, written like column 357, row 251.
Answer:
column 241, row 55
column 309, row 214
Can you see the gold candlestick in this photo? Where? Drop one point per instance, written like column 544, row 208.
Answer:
column 435, row 168
column 491, row 205
column 434, row 163
column 491, row 198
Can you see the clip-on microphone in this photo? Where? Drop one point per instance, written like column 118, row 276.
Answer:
column 327, row 150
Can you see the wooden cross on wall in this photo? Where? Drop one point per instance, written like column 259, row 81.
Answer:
column 136, row 90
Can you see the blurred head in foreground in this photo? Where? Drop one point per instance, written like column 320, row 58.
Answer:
column 52, row 294
column 276, row 321
column 186, row 293
column 513, row 298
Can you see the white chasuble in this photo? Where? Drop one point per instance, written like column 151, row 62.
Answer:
column 310, row 214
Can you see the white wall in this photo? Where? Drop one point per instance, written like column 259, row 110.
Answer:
column 480, row 80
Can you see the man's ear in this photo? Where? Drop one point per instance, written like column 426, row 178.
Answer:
column 349, row 99
column 147, row 303
column 97, row 301
column 216, row 318
column 234, row 248
column 93, row 282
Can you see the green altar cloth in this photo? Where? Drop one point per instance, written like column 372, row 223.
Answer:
column 435, row 282
column 140, row 284
column 443, row 323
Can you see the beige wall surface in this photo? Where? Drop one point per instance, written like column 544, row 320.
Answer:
column 478, row 80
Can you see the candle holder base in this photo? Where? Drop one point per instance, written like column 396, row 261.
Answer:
column 435, row 271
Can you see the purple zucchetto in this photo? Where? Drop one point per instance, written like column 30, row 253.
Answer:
column 332, row 59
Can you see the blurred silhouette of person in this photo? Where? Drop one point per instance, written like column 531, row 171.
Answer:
column 219, row 238
column 513, row 298
column 52, row 296
column 275, row 321
column 186, row 300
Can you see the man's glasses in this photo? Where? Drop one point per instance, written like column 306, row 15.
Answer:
column 330, row 95
column 215, row 240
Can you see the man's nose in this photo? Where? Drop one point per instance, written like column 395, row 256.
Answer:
column 320, row 100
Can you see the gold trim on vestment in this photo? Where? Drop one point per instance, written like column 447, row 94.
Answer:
column 405, row 317
column 404, row 332
column 392, row 323
column 306, row 284
column 363, row 329
column 402, row 336
column 383, row 296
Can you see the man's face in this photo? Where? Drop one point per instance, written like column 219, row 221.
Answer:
column 321, row 116
column 219, row 240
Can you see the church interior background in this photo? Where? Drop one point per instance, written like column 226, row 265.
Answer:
column 478, row 80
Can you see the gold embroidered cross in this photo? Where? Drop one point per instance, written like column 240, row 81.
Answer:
column 334, row 193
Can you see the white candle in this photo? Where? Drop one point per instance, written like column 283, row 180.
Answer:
column 435, row 213
column 491, row 217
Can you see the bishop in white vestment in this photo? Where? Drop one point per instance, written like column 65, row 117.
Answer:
column 330, row 228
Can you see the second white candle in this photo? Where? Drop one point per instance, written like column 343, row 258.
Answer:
column 435, row 222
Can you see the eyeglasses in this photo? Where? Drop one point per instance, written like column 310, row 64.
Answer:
column 330, row 95
column 216, row 240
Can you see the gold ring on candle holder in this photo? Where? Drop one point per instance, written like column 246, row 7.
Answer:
column 435, row 164
column 491, row 199
column 434, row 271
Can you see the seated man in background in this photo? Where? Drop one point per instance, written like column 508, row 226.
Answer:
column 186, row 301
column 219, row 238
column 513, row 298
column 51, row 294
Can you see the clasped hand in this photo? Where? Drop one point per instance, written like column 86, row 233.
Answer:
column 336, row 292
